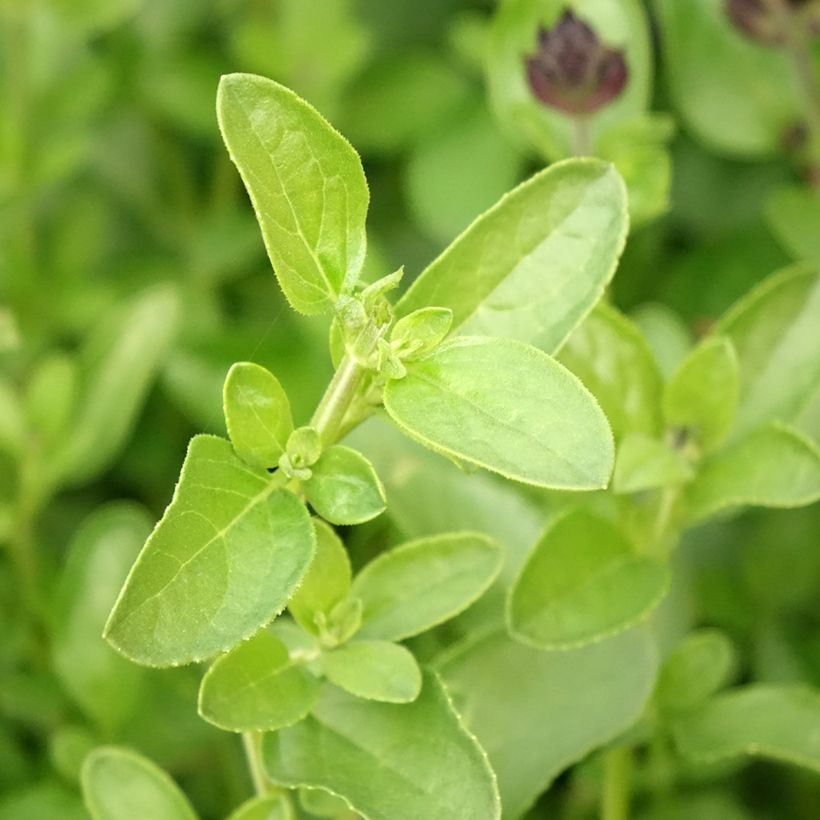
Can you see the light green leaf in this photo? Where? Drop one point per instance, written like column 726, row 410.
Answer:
column 774, row 722
column 327, row 581
column 420, row 331
column 344, row 487
column 794, row 216
column 610, row 356
column 666, row 334
column 12, row 419
column 394, row 756
column 776, row 334
column 223, row 561
column 119, row 366
column 255, row 687
column 119, row 784
column 102, row 683
column 44, row 799
column 257, row 414
column 701, row 397
column 774, row 466
column 267, row 807
column 644, row 463
column 376, row 670
column 323, row 804
column 307, row 187
column 467, row 400
column 703, row 663
column 582, row 582
column 50, row 396
column 422, row 583
column 536, row 713
column 540, row 284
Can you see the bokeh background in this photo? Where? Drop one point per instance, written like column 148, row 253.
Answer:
column 132, row 274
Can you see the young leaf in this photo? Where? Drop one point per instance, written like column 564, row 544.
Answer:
column 327, row 581
column 324, row 804
column 119, row 784
column 701, row 396
column 420, row 331
column 306, row 184
column 344, row 487
column 256, row 688
column 223, row 561
column 696, row 669
column 50, row 396
column 506, row 406
column 644, row 463
column 774, row 466
column 257, row 414
column 266, row 807
column 376, row 670
column 776, row 334
column 104, row 684
column 534, row 279
column 422, row 583
column 582, row 582
column 393, row 757
column 538, row 712
column 610, row 355
column 774, row 722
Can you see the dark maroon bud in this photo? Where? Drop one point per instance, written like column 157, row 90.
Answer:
column 572, row 70
column 766, row 20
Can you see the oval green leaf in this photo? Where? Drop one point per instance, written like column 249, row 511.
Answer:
column 376, row 670
column 537, row 262
column 306, row 184
column 393, row 755
column 223, row 561
column 119, row 784
column 505, row 406
column 422, row 583
column 582, row 582
column 255, row 687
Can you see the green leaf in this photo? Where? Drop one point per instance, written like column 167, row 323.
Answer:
column 774, row 466
column 774, row 722
column 119, row 366
column 536, row 713
column 423, row 583
column 701, row 397
column 267, row 807
column 119, row 784
column 467, row 400
column 344, row 487
column 582, row 582
column 538, row 287
column 420, row 331
column 257, row 414
column 101, row 682
column 223, row 561
column 50, row 396
column 666, row 334
column 323, row 804
column 376, row 670
column 327, row 581
column 306, row 184
column 643, row 463
column 776, row 334
column 610, row 356
column 255, row 687
column 703, row 663
column 794, row 216
column 393, row 754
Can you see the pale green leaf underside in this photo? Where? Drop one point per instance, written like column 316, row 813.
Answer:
column 256, row 688
column 505, row 406
column 307, row 187
column 644, row 463
column 257, row 414
column 775, row 722
column 223, row 561
column 376, row 670
column 536, row 263
column 536, row 713
column 119, row 784
column 582, row 582
column 269, row 807
column 389, row 761
column 422, row 583
column 772, row 467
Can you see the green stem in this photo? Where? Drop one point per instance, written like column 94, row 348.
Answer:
column 615, row 793
column 581, row 136
column 251, row 742
column 338, row 397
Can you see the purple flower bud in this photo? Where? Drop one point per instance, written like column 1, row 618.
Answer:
column 572, row 70
column 763, row 21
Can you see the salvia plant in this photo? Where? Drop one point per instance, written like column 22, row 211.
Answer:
column 436, row 562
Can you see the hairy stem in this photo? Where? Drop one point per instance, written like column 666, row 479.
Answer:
column 253, row 752
column 615, row 792
column 338, row 397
